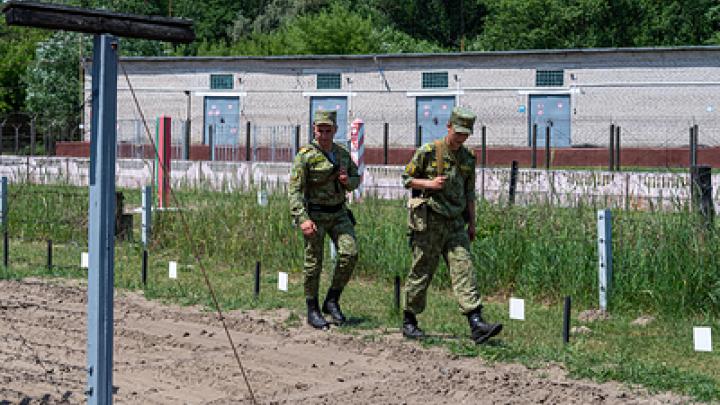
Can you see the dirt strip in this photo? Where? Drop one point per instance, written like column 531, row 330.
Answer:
column 180, row 355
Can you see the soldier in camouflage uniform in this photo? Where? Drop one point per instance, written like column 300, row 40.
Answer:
column 322, row 174
column 443, row 173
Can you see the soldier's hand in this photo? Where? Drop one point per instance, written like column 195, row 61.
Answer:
column 437, row 183
column 343, row 176
column 308, row 228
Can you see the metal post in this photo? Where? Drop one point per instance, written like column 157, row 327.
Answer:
column 617, row 148
column 701, row 183
column 211, row 141
column 513, row 181
column 418, row 137
column 143, row 272
column 691, row 151
column 547, row 147
column 386, row 140
column 248, row 146
column 188, row 126
column 4, row 220
column 397, row 292
column 611, row 149
column 297, row 139
column 696, row 132
column 533, row 147
column 483, row 151
column 146, row 219
column 604, row 226
column 33, row 135
column 256, row 288
column 17, row 139
column 101, row 229
column 566, row 320
column 49, row 254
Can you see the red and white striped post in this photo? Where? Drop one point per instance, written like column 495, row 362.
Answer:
column 357, row 140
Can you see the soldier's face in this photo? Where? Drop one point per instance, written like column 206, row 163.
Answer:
column 324, row 133
column 456, row 139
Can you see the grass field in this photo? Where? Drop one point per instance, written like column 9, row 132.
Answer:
column 664, row 264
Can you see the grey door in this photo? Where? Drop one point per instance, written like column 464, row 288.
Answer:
column 433, row 114
column 553, row 112
column 223, row 115
column 338, row 104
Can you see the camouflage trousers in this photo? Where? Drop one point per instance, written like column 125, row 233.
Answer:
column 342, row 233
column 446, row 237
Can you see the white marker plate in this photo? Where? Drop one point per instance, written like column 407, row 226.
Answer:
column 84, row 260
column 172, row 269
column 517, row 308
column 282, row 281
column 702, row 338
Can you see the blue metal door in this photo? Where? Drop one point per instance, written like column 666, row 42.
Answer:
column 433, row 114
column 223, row 114
column 338, row 104
column 552, row 111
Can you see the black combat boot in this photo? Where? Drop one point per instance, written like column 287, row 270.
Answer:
column 314, row 317
column 331, row 306
column 410, row 327
column 481, row 331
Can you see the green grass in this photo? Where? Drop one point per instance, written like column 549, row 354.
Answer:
column 665, row 266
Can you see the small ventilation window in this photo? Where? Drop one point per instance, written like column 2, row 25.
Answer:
column 435, row 80
column 328, row 81
column 552, row 78
column 221, row 82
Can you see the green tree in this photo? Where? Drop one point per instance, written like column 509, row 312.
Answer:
column 17, row 50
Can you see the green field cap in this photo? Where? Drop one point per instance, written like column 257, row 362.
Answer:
column 462, row 120
column 328, row 117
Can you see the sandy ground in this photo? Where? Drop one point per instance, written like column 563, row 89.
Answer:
column 179, row 355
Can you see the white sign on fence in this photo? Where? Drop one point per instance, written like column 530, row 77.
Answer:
column 282, row 281
column 517, row 309
column 84, row 260
column 702, row 339
column 172, row 269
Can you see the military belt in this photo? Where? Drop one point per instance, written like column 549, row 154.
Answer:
column 327, row 209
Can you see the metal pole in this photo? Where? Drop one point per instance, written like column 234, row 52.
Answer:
column 49, row 254
column 701, row 183
column 605, row 262
column 533, row 146
column 297, row 139
column 696, row 132
column 188, row 127
column 17, row 139
column 566, row 320
column 146, row 219
column 483, row 152
column 397, row 292
column 101, row 229
column 256, row 288
column 248, row 146
column 4, row 219
column 386, row 140
column 33, row 135
column 418, row 137
column 211, row 141
column 617, row 148
column 143, row 273
column 691, row 142
column 611, row 149
column 513, row 181
column 547, row 147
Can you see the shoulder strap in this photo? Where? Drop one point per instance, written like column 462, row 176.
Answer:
column 439, row 155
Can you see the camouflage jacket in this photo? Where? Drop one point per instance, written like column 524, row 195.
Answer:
column 458, row 167
column 313, row 180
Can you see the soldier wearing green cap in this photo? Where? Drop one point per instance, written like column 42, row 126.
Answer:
column 322, row 174
column 442, row 222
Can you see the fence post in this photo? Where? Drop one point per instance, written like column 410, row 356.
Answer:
column 566, row 320
column 32, row 137
column 513, row 181
column 256, row 287
column 4, row 219
column 297, row 139
column 186, row 141
column 483, row 150
column 386, row 139
column 617, row 148
column 418, row 137
column 248, row 147
column 604, row 227
column 701, row 183
column 533, row 147
column 211, row 141
column 17, row 139
column 547, row 147
column 611, row 149
column 49, row 254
